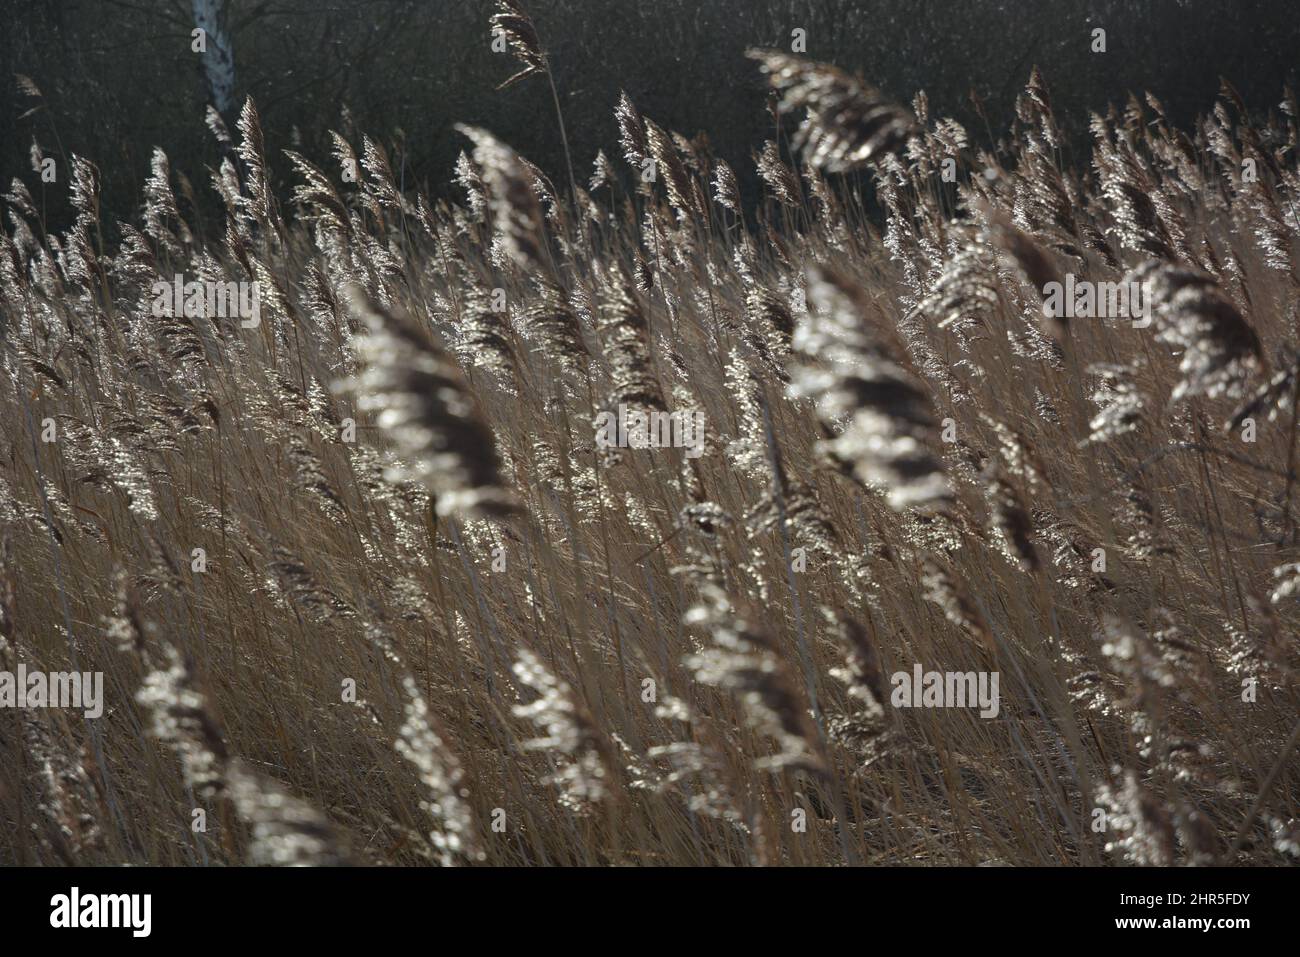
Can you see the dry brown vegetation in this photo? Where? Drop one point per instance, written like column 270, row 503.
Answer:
column 503, row 592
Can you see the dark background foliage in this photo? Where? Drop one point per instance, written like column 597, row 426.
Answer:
column 119, row 77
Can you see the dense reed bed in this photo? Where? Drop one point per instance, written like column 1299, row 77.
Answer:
column 434, row 619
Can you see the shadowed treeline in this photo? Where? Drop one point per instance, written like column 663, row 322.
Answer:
column 120, row 78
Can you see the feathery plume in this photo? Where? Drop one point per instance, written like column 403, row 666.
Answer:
column 424, row 405
column 862, row 672
column 513, row 23
column 631, row 132
column 512, row 201
column 627, row 345
column 878, row 414
column 1220, row 349
column 744, row 660
column 287, row 831
column 780, row 179
column 1010, row 521
column 849, row 123
column 583, row 778
column 945, row 589
column 725, row 188
column 421, row 742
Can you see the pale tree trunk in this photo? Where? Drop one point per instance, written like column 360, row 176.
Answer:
column 219, row 59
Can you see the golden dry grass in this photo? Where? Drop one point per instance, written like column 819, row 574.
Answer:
column 510, row 659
